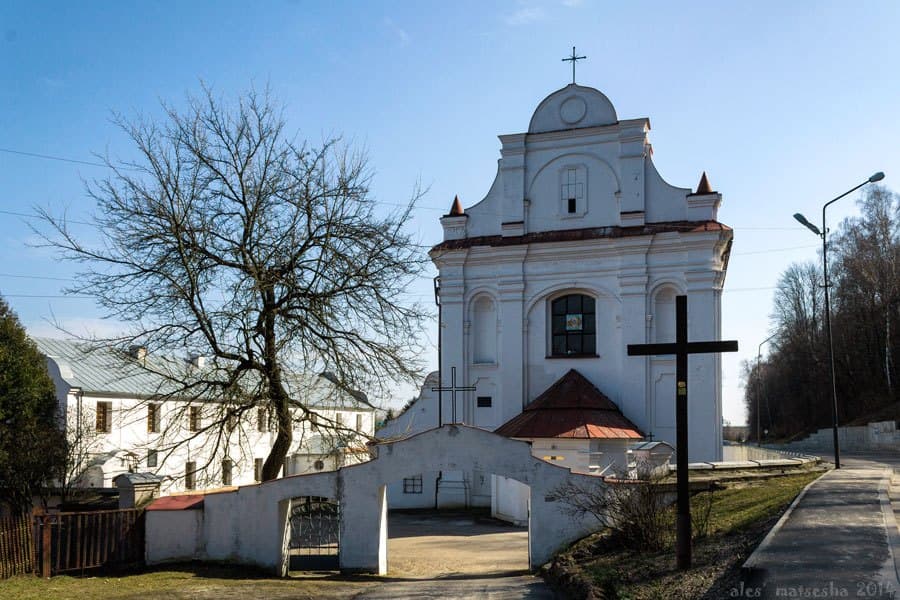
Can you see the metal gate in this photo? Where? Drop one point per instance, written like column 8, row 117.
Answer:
column 315, row 531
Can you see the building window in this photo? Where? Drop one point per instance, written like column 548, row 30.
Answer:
column 262, row 420
column 194, row 418
column 104, row 417
column 574, row 330
column 257, row 469
column 314, row 421
column 484, row 401
column 319, row 465
column 572, row 189
column 152, row 458
column 359, row 421
column 190, row 470
column 153, row 418
column 412, row 485
column 226, row 471
column 339, row 418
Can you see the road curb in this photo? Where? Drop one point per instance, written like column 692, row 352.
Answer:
column 890, row 523
column 752, row 561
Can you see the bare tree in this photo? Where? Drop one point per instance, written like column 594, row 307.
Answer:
column 228, row 239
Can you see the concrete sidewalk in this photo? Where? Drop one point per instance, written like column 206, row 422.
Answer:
column 834, row 542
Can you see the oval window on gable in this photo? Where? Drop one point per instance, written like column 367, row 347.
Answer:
column 573, row 326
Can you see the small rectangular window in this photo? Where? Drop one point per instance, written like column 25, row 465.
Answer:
column 359, row 421
column 190, row 470
column 412, row 485
column 104, row 417
column 226, row 471
column 194, row 418
column 152, row 458
column 257, row 469
column 572, row 205
column 484, row 402
column 153, row 418
column 314, row 421
column 262, row 420
column 339, row 418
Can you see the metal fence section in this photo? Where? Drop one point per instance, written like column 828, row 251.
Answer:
column 315, row 533
column 16, row 546
column 77, row 541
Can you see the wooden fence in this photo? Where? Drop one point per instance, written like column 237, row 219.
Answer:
column 16, row 546
column 76, row 541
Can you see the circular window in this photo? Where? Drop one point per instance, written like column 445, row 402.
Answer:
column 319, row 465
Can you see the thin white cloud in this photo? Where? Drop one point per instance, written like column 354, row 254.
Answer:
column 572, row 3
column 398, row 31
column 525, row 16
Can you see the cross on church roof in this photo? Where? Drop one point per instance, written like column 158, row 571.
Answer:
column 573, row 59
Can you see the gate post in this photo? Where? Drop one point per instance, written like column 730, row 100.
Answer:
column 46, row 542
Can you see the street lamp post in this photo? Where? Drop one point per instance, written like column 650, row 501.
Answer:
column 823, row 234
column 759, row 386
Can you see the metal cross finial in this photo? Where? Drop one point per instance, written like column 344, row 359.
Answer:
column 573, row 59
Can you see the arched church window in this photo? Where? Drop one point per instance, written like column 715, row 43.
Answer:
column 573, row 326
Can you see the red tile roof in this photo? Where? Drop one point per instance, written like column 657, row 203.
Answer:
column 571, row 408
column 590, row 233
column 182, row 502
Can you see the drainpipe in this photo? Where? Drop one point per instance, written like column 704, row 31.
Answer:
column 440, row 403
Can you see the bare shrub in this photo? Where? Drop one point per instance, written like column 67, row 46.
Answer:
column 636, row 510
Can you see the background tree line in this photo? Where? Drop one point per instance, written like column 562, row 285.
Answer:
column 791, row 386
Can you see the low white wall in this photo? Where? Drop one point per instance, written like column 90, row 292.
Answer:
column 173, row 535
column 510, row 500
column 874, row 436
column 250, row 525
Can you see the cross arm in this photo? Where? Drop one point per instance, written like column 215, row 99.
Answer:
column 676, row 348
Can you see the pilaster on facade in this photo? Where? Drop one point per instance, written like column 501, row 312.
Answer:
column 454, row 226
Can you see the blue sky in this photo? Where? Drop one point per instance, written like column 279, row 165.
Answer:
column 784, row 104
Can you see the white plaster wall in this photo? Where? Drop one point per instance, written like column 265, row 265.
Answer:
column 173, row 535
column 510, row 500
column 229, row 534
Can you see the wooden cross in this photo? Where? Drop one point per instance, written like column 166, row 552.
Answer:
column 681, row 349
column 573, row 59
column 452, row 389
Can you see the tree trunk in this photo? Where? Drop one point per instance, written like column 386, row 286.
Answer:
column 278, row 397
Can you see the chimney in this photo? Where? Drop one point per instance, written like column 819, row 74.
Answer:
column 138, row 352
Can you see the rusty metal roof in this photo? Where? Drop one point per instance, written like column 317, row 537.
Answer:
column 180, row 502
column 572, row 407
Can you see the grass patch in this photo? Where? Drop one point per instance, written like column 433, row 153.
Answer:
column 193, row 581
column 739, row 517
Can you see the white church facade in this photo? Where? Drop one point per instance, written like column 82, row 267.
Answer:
column 577, row 250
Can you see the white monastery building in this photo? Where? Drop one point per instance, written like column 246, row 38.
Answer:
column 119, row 418
column 577, row 250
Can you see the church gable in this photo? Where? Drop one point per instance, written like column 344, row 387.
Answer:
column 577, row 167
